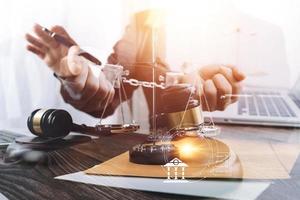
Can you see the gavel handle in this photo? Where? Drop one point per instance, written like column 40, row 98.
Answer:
column 89, row 130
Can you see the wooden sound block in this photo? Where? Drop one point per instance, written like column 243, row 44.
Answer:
column 204, row 157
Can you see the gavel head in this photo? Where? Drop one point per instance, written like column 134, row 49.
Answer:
column 50, row 123
column 181, row 105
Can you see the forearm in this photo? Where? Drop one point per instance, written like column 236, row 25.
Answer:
column 93, row 101
column 90, row 91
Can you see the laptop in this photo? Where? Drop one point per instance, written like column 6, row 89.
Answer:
column 263, row 106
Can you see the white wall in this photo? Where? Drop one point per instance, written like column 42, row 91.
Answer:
column 286, row 15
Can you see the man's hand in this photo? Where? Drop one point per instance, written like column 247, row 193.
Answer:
column 218, row 80
column 49, row 50
column 84, row 87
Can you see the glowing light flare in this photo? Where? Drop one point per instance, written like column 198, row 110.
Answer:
column 188, row 150
column 191, row 149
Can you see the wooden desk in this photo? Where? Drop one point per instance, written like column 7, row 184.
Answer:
column 37, row 181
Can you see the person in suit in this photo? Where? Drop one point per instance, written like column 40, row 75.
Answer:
column 91, row 93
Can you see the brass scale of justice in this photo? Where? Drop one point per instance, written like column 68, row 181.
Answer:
column 52, row 126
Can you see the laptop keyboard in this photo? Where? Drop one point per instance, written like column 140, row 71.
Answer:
column 264, row 104
column 295, row 99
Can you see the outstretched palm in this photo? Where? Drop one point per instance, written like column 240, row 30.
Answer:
column 47, row 48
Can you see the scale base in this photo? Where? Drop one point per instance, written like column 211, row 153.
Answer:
column 153, row 154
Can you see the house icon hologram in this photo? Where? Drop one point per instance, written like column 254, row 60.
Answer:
column 175, row 164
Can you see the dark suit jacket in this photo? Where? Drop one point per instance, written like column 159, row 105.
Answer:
column 134, row 52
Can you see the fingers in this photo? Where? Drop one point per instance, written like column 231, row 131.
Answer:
column 74, row 61
column 223, row 88
column 213, row 89
column 207, row 72
column 63, row 69
column 61, row 31
column 233, row 77
column 45, row 38
column 36, row 46
column 34, row 41
column 71, row 65
column 112, row 59
column 210, row 92
column 238, row 75
column 235, row 85
column 36, row 51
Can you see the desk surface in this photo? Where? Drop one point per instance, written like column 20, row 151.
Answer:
column 37, row 181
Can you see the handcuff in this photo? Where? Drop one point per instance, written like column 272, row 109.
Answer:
column 119, row 128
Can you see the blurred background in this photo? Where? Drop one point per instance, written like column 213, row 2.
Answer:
column 259, row 36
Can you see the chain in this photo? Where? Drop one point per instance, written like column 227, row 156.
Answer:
column 145, row 84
